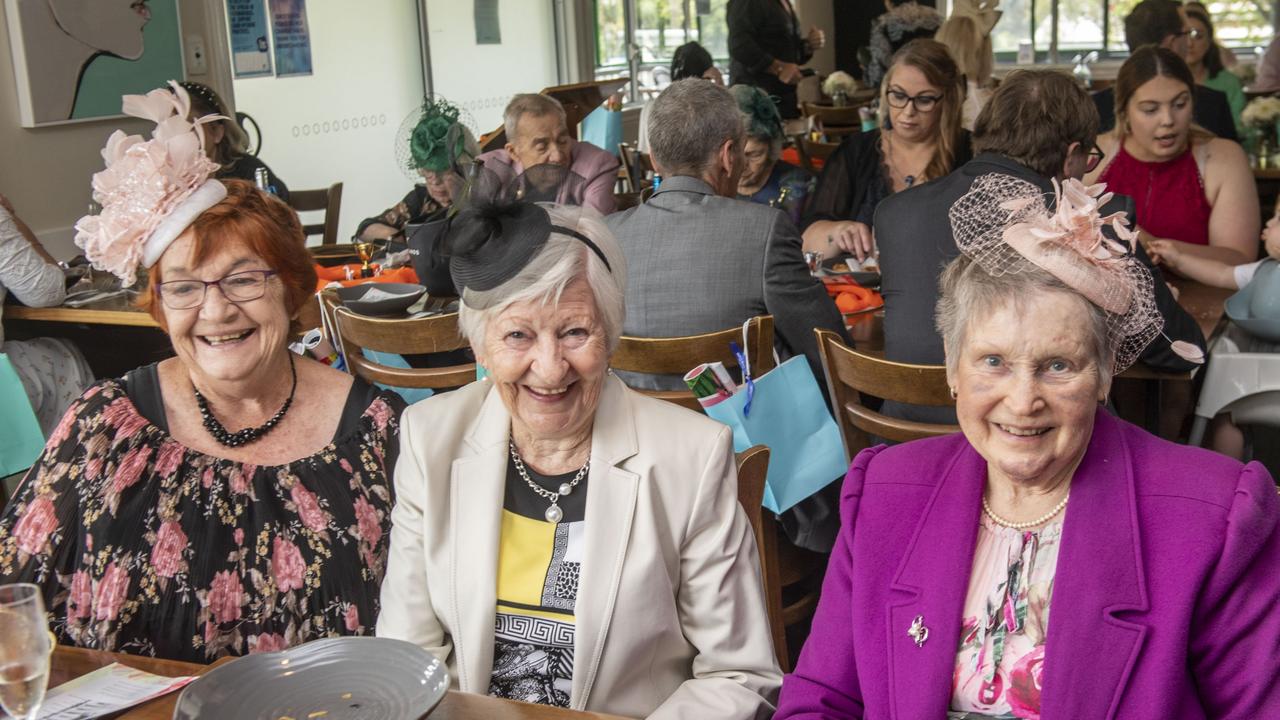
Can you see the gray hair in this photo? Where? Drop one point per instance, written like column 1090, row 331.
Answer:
column 689, row 122
column 558, row 263
column 966, row 290
column 534, row 104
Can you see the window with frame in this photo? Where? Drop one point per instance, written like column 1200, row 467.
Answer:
column 1085, row 25
column 638, row 38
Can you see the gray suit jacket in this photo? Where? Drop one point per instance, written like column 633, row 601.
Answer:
column 698, row 262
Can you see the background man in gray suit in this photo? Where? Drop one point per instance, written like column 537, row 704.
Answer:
column 699, row 260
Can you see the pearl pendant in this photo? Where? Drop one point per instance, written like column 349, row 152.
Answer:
column 565, row 488
column 554, row 514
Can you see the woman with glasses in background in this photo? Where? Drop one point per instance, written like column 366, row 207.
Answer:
column 235, row 498
column 1205, row 59
column 920, row 139
column 1187, row 185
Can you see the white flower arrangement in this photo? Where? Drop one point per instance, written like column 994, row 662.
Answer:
column 1261, row 112
column 839, row 82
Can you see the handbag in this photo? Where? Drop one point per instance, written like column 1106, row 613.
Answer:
column 785, row 412
column 21, row 440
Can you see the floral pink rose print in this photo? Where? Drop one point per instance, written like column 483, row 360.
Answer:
column 130, row 468
column 63, row 430
column 381, row 414
column 345, row 466
column 267, row 642
column 352, row 618
column 166, row 556
column 32, row 531
column 168, row 459
column 368, row 521
column 238, row 536
column 225, row 597
column 112, row 590
column 122, row 416
column 287, row 567
column 242, row 478
column 1023, row 694
column 308, row 508
column 80, row 598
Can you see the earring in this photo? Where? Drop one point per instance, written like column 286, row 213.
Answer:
column 953, row 393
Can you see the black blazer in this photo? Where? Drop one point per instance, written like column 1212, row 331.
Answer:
column 761, row 31
column 1212, row 112
column 913, row 232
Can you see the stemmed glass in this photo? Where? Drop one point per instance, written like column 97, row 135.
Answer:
column 813, row 258
column 25, row 649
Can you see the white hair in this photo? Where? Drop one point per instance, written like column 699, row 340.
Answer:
column 559, row 262
column 535, row 104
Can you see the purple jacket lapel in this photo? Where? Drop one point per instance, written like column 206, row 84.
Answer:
column 930, row 584
column 1100, row 578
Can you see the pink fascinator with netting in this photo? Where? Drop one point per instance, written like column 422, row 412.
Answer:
column 1003, row 225
column 151, row 190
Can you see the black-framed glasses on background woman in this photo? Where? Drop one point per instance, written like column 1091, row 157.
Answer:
column 237, row 287
column 923, row 102
column 1095, row 156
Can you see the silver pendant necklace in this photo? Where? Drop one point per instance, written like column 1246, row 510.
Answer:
column 553, row 514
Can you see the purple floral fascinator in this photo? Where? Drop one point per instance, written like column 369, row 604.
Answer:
column 151, row 190
column 1002, row 224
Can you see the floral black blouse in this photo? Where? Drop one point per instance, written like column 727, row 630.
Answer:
column 145, row 546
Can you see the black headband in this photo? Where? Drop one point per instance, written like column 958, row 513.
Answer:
column 586, row 241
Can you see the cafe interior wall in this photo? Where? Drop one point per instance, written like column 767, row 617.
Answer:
column 45, row 172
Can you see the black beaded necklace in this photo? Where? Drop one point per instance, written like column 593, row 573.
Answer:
column 247, row 435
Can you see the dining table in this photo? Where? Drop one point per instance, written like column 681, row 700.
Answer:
column 69, row 663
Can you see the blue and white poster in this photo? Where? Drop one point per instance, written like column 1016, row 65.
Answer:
column 250, row 49
column 292, row 38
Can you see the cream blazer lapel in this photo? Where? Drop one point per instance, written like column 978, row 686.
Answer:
column 477, row 483
column 611, row 503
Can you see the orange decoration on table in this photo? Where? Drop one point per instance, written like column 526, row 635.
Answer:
column 338, row 274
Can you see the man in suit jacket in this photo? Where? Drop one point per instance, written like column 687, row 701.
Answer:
column 538, row 134
column 1037, row 126
column 699, row 260
column 1163, row 23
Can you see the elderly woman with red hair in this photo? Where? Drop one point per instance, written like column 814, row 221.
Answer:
column 234, row 498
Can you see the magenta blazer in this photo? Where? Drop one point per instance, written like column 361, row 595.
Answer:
column 1166, row 603
column 598, row 169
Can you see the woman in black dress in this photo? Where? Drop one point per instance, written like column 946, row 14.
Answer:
column 225, row 141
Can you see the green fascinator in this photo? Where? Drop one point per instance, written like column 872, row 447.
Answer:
column 760, row 112
column 438, row 139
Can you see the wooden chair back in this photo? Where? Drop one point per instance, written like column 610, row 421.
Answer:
column 636, row 166
column 812, row 150
column 679, row 355
column 403, row 336
column 850, row 373
column 753, row 464
column 327, row 199
column 831, row 116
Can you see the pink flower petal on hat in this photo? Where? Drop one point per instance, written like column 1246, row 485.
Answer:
column 1187, row 351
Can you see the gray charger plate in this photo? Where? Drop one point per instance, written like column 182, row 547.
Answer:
column 350, row 678
column 406, row 294
column 865, row 278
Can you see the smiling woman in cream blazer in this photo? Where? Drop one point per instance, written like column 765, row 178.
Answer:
column 633, row 590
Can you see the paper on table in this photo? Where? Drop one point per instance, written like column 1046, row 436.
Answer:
column 104, row 691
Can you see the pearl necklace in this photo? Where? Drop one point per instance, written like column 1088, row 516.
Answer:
column 1024, row 525
column 553, row 514
column 249, row 434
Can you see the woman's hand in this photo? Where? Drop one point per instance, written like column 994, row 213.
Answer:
column 854, row 238
column 816, row 39
column 1167, row 253
column 788, row 73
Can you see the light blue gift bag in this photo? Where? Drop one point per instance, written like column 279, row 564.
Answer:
column 20, row 437
column 786, row 412
column 603, row 128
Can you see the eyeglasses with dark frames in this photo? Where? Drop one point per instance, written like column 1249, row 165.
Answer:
column 923, row 102
column 1095, row 156
column 237, row 287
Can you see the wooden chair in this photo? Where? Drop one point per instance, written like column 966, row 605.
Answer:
column 679, row 355
column 829, row 116
column 782, row 565
column 814, row 153
column 404, row 336
column 850, row 373
column 329, row 200
column 637, row 166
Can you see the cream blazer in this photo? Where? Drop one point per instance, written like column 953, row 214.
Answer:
column 671, row 619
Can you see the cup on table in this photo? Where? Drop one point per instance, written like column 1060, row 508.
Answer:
column 813, row 258
column 25, row 649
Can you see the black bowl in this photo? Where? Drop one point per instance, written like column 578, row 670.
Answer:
column 404, row 295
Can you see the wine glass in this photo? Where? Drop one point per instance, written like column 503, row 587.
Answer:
column 25, row 647
column 813, row 258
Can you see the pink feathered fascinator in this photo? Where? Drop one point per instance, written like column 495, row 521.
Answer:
column 1002, row 224
column 151, row 190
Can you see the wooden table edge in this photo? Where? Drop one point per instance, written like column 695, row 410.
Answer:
column 130, row 318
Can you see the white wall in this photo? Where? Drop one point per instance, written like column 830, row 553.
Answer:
column 340, row 123
column 820, row 14
column 482, row 78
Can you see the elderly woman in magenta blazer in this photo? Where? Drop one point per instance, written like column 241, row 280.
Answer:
column 1051, row 561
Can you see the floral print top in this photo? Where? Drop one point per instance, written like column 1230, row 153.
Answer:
column 145, row 546
column 1000, row 663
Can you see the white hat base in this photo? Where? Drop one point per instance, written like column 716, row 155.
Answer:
column 180, row 218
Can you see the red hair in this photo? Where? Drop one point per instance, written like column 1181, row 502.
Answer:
column 264, row 226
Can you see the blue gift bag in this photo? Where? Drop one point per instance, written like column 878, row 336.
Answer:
column 20, row 437
column 603, row 128
column 788, row 415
